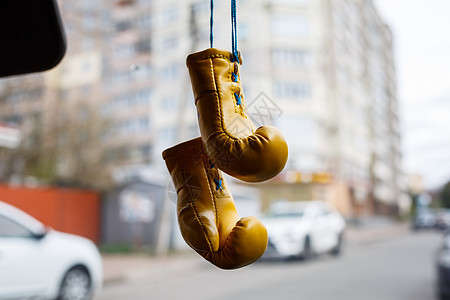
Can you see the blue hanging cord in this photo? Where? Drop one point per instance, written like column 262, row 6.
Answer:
column 211, row 23
column 234, row 31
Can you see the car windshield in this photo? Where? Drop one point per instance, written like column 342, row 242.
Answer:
column 24, row 219
column 151, row 138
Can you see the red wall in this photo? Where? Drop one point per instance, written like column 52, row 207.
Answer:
column 68, row 210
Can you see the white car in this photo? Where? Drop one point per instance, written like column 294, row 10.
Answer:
column 40, row 263
column 303, row 228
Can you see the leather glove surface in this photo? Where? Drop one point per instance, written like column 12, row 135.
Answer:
column 231, row 140
column 207, row 216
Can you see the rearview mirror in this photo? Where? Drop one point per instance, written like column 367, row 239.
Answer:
column 31, row 35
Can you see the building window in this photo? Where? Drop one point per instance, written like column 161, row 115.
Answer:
column 166, row 137
column 169, row 42
column 120, row 77
column 69, row 26
column 143, row 71
column 129, row 100
column 293, row 90
column 243, row 31
column 169, row 15
column 88, row 21
column 201, row 6
column 106, row 111
column 302, row 132
column 87, row 44
column 68, row 6
column 144, row 21
column 86, row 90
column 143, row 124
column 294, row 2
column 290, row 26
column 143, row 97
column 122, row 101
column 146, row 150
column 291, row 57
column 143, row 46
column 86, row 66
column 13, row 120
column 25, row 95
column 135, row 125
column 169, row 73
column 89, row 4
column 104, row 17
column 124, row 51
column 169, row 103
column 123, row 26
column 64, row 94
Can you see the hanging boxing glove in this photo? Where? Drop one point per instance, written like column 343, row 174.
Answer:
column 206, row 212
column 231, row 140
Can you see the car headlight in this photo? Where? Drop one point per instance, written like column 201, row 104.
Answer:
column 444, row 258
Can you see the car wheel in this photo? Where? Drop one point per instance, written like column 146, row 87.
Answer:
column 307, row 249
column 338, row 248
column 76, row 285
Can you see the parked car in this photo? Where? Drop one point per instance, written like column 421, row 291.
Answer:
column 41, row 263
column 424, row 218
column 303, row 228
column 443, row 269
column 443, row 219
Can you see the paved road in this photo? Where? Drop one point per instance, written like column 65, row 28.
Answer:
column 397, row 269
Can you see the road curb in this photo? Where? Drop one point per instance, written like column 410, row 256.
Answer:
column 364, row 235
column 122, row 268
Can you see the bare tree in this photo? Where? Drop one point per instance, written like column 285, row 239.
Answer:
column 9, row 157
column 62, row 146
column 70, row 149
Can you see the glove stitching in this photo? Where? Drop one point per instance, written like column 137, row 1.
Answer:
column 216, row 212
column 191, row 202
column 219, row 104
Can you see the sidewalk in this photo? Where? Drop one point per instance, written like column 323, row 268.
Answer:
column 126, row 267
column 372, row 232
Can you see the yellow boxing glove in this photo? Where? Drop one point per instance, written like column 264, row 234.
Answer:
column 231, row 140
column 207, row 216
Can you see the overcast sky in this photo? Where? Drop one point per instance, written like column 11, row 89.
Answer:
column 422, row 44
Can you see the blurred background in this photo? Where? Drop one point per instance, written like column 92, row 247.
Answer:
column 359, row 89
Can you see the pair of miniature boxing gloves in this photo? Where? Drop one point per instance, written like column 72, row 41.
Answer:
column 207, row 216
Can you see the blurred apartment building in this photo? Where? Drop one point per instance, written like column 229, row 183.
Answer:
column 329, row 66
column 320, row 70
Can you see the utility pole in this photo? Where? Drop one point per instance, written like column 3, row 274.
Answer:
column 166, row 230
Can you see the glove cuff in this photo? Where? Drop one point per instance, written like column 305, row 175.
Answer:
column 212, row 53
column 184, row 149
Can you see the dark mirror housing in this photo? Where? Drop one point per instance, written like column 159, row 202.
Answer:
column 32, row 36
column 42, row 233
